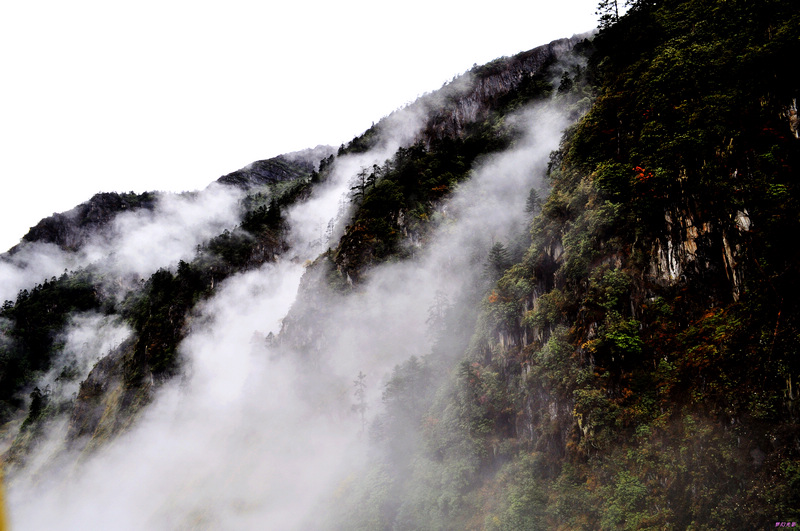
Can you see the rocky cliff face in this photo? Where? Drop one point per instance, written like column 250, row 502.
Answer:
column 622, row 355
column 470, row 98
column 158, row 309
column 70, row 230
column 286, row 167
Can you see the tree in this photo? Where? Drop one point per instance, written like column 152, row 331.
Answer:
column 534, row 203
column 373, row 177
column 39, row 402
column 566, row 83
column 608, row 11
column 437, row 313
column 273, row 214
column 497, row 262
column 361, row 184
column 366, row 179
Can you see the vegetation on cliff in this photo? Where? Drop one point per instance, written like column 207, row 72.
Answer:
column 157, row 309
column 627, row 360
column 636, row 367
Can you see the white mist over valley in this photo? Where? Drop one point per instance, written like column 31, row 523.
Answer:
column 550, row 294
column 251, row 435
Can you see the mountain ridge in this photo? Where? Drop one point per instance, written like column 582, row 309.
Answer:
column 562, row 301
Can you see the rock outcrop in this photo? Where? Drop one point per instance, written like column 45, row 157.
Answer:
column 281, row 168
column 70, row 230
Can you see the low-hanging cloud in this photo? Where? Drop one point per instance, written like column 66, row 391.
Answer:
column 319, row 221
column 141, row 241
column 87, row 337
column 133, row 246
column 31, row 265
column 249, row 439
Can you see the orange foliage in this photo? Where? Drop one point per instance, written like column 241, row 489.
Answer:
column 642, row 175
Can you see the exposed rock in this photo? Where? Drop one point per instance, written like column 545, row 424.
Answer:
column 309, row 158
column 70, row 230
column 468, row 99
column 105, row 405
column 281, row 168
column 695, row 248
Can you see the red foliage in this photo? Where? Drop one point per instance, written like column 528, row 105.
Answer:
column 642, row 175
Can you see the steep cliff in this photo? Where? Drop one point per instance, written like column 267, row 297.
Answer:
column 634, row 367
column 470, row 98
column 285, row 167
column 397, row 204
column 157, row 310
column 494, row 329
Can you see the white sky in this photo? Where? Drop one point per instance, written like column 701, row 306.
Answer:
column 169, row 95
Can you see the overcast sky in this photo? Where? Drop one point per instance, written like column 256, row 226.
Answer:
column 169, row 95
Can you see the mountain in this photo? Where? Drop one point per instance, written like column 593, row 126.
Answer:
column 286, row 167
column 70, row 230
column 556, row 293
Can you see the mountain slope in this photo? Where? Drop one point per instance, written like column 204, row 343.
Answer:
column 636, row 368
column 554, row 294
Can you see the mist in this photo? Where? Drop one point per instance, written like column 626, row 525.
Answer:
column 255, row 435
column 34, row 263
column 132, row 246
column 141, row 241
column 87, row 337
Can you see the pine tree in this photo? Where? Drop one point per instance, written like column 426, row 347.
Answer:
column 274, row 214
column 437, row 313
column 608, row 11
column 497, row 262
column 534, row 203
column 566, row 83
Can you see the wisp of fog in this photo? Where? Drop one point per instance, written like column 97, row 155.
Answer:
column 240, row 440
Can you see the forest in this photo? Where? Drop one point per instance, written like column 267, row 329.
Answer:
column 555, row 294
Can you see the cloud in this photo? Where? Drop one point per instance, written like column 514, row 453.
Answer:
column 86, row 338
column 133, row 246
column 141, row 241
column 247, row 438
column 319, row 221
column 34, row 263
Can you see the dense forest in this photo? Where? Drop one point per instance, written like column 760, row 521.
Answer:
column 635, row 366
column 607, row 341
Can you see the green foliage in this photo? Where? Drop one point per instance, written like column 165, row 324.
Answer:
column 33, row 322
column 398, row 198
column 551, row 310
column 369, row 500
column 362, row 143
column 263, row 218
column 37, row 407
column 566, row 83
column 497, row 262
column 599, row 392
column 158, row 313
column 533, row 204
column 608, row 10
column 553, row 365
column 234, row 248
column 626, row 498
column 525, row 500
column 623, row 336
column 639, row 401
